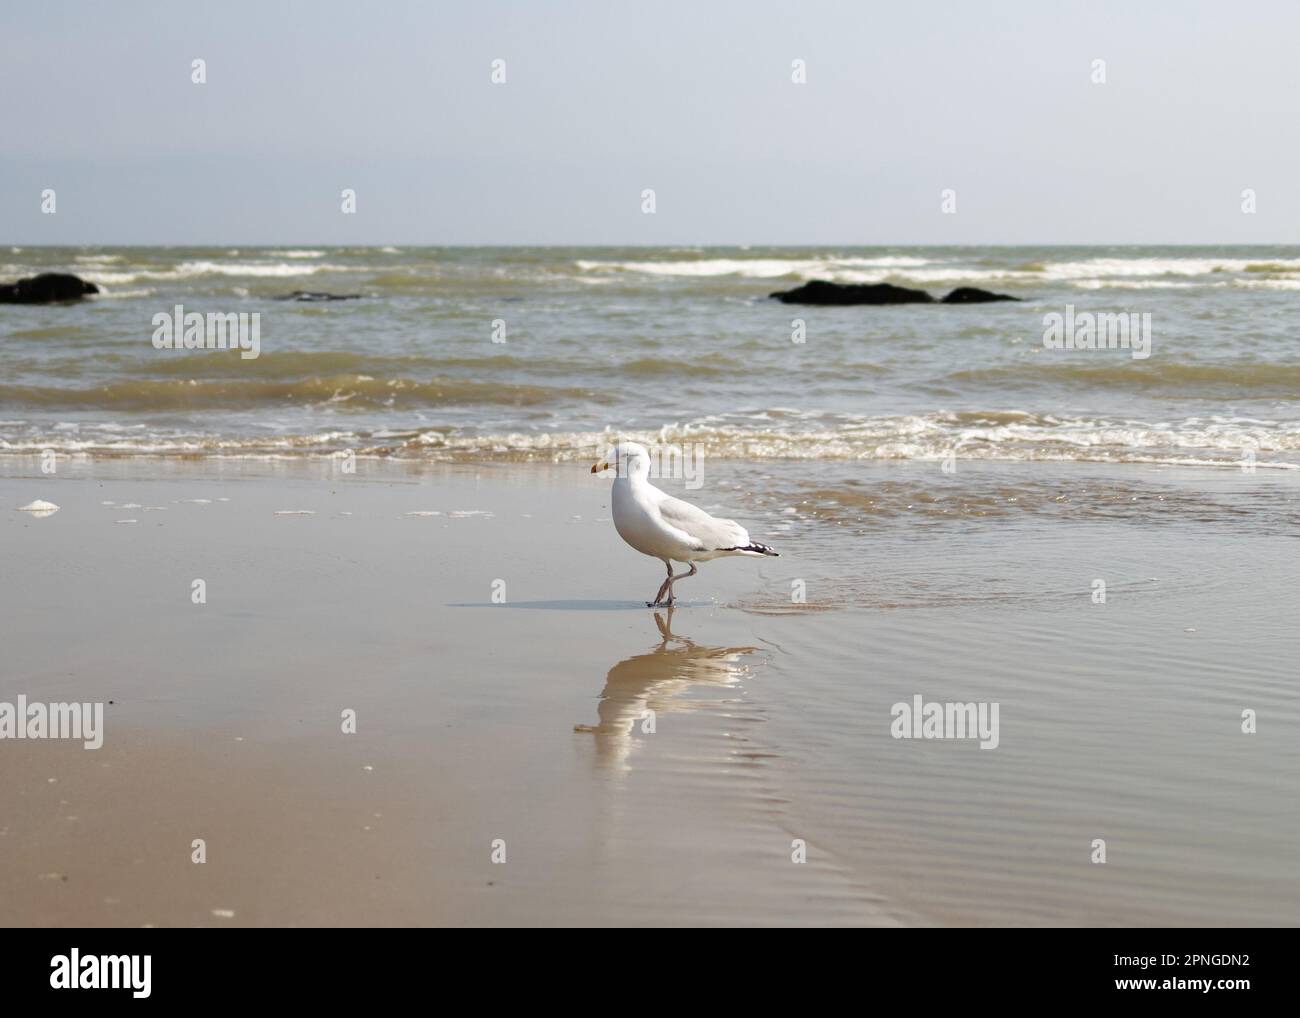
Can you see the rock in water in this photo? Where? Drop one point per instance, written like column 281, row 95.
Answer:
column 313, row 296
column 974, row 295
column 47, row 288
column 820, row 291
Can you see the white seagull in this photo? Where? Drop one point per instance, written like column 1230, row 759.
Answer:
column 666, row 528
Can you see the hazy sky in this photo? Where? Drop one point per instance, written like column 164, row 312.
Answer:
column 693, row 99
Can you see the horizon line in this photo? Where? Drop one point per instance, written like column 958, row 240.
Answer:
column 763, row 244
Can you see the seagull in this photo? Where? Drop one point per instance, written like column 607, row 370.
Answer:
column 666, row 528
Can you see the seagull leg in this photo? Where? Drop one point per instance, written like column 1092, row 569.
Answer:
column 658, row 602
column 679, row 576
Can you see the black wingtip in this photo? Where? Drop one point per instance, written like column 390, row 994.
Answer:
column 760, row 549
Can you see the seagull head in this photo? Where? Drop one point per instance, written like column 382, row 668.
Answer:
column 626, row 459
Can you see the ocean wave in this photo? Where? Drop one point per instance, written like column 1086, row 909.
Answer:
column 1127, row 267
column 1184, row 379
column 113, row 293
column 290, row 364
column 1141, row 284
column 1010, row 435
column 304, row 364
column 752, row 268
column 1268, row 284
column 337, row 391
column 1234, row 282
column 1090, row 273
column 86, row 442
column 198, row 269
column 436, row 272
column 994, row 436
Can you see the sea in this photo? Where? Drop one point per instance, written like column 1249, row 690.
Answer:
column 542, row 353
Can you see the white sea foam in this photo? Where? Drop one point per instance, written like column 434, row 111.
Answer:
column 1268, row 284
column 1006, row 436
column 1124, row 267
column 195, row 269
column 1091, row 273
column 753, row 268
column 114, row 294
column 1139, row 284
column 930, row 275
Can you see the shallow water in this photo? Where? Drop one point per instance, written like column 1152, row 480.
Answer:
column 772, row 687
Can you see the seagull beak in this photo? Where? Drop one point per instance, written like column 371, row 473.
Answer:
column 599, row 467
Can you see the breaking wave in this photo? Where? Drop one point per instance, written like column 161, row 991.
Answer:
column 1009, row 436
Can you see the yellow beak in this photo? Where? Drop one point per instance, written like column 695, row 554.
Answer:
column 599, row 467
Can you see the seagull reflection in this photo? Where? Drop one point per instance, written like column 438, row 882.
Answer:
column 642, row 688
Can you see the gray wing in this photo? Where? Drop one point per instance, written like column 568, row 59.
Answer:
column 711, row 533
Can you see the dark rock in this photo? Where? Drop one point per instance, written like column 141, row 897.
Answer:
column 819, row 291
column 47, row 288
column 311, row 296
column 974, row 295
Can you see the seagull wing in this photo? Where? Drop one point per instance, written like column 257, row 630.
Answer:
column 705, row 532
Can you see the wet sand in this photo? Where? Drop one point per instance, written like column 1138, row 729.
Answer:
column 526, row 721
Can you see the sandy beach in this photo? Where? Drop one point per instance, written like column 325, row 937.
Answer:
column 521, row 726
column 362, row 371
